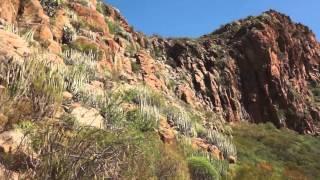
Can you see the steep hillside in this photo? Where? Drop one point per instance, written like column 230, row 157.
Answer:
column 258, row 69
column 85, row 96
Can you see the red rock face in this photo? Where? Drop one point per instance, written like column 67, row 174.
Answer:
column 149, row 69
column 278, row 61
column 9, row 10
column 259, row 69
column 92, row 17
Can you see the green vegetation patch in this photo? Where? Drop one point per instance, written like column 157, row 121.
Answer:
column 200, row 168
column 114, row 27
column 316, row 94
column 266, row 152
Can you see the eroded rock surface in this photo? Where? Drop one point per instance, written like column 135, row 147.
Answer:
column 259, row 69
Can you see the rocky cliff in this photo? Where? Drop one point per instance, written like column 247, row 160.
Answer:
column 68, row 66
column 258, row 69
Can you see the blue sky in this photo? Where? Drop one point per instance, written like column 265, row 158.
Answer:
column 193, row 18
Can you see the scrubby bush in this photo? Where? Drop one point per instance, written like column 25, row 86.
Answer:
column 114, row 27
column 131, row 50
column 144, row 94
column 285, row 152
column 316, row 94
column 201, row 169
column 80, row 153
column 68, row 34
column 150, row 103
column 103, row 8
column 50, row 6
column 215, row 121
column 136, row 67
column 87, row 48
column 46, row 87
column 11, row 28
column 223, row 142
column 112, row 110
column 81, row 71
column 29, row 35
column 316, row 91
column 221, row 166
column 87, row 153
column 83, row 2
column 89, row 34
column 35, row 78
column 181, row 120
column 145, row 118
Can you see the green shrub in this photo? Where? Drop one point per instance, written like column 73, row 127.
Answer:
column 101, row 7
column 88, row 48
column 87, row 153
column 182, row 121
column 316, row 93
column 131, row 50
column 83, row 2
column 223, row 142
column 144, row 94
column 112, row 110
column 81, row 69
column 114, row 27
column 11, row 28
column 281, row 148
column 171, row 84
column 145, row 118
column 249, row 171
column 136, row 67
column 50, row 6
column 68, row 34
column 34, row 78
column 156, row 161
column 200, row 168
column 47, row 86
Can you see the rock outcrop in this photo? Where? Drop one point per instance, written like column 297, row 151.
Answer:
column 258, row 69
column 12, row 46
column 149, row 71
column 87, row 117
column 9, row 10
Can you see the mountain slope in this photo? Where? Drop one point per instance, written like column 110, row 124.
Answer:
column 258, row 69
column 83, row 95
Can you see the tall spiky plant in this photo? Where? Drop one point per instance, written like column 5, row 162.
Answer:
column 223, row 142
column 82, row 69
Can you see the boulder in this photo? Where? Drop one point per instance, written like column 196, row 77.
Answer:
column 33, row 13
column 9, row 10
column 13, row 141
column 12, row 45
column 88, row 117
column 67, row 96
column 44, row 33
column 166, row 132
column 15, row 147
